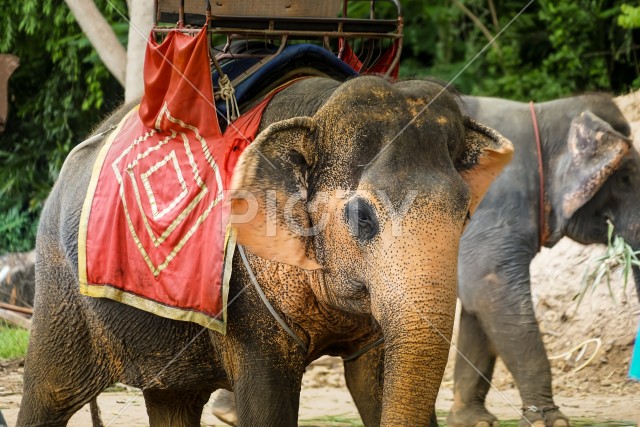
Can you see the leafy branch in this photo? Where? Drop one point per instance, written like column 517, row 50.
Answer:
column 629, row 16
column 483, row 29
column 618, row 253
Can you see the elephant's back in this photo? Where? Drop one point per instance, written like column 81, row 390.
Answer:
column 511, row 118
column 508, row 204
column 302, row 98
column 60, row 219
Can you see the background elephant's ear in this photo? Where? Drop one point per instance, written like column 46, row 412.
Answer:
column 595, row 151
column 268, row 194
column 485, row 154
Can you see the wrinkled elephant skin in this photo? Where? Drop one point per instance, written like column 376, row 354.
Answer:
column 591, row 175
column 376, row 200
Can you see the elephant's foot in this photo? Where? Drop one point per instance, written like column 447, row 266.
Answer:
column 475, row 416
column 543, row 417
column 224, row 407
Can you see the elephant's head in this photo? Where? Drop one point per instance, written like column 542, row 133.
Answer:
column 374, row 191
column 598, row 176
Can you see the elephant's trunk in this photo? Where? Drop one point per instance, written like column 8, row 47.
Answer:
column 416, row 310
column 414, row 364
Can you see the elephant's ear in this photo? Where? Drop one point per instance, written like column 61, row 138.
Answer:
column 595, row 151
column 485, row 154
column 268, row 194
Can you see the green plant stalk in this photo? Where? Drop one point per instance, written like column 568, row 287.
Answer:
column 618, row 253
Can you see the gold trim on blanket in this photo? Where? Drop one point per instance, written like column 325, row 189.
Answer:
column 153, row 307
column 229, row 250
column 88, row 201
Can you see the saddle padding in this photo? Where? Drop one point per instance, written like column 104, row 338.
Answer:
column 297, row 57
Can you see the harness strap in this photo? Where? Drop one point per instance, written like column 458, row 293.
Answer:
column 364, row 349
column 543, row 216
column 281, row 321
column 542, row 410
column 266, row 302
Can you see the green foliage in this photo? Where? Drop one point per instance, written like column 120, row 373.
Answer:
column 59, row 92
column 15, row 224
column 629, row 16
column 553, row 49
column 13, row 342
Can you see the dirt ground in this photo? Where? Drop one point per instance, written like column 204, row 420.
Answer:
column 589, row 381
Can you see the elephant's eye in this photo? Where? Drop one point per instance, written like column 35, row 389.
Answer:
column 361, row 219
column 626, row 181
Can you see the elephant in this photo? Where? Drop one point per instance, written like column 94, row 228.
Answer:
column 383, row 178
column 590, row 174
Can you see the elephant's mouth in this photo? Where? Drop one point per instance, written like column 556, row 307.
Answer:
column 356, row 290
column 352, row 294
column 358, row 285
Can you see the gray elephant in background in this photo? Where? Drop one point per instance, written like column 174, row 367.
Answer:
column 591, row 174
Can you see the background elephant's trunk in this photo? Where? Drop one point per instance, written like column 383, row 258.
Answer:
column 416, row 315
column 636, row 276
column 634, row 240
column 627, row 226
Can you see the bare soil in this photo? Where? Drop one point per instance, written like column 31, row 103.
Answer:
column 590, row 382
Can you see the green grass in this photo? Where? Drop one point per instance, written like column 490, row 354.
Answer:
column 575, row 423
column 331, row 421
column 13, row 342
column 578, row 422
column 338, row 421
column 592, row 423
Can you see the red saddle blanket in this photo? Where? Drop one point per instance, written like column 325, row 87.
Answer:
column 153, row 232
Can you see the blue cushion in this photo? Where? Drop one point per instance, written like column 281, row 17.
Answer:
column 292, row 57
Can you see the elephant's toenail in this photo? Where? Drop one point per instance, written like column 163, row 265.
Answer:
column 538, row 423
column 483, row 424
column 561, row 423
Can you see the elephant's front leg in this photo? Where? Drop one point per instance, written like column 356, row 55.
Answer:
column 364, row 377
column 267, row 391
column 167, row 408
column 365, row 380
column 473, row 370
column 264, row 367
column 504, row 310
column 513, row 328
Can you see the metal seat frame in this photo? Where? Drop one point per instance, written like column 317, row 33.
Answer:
column 190, row 15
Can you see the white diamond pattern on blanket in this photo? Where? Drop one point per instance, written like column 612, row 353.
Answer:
column 167, row 196
column 168, row 161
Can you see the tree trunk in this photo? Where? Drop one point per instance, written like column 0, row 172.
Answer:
column 15, row 318
column 8, row 64
column 101, row 36
column 141, row 22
